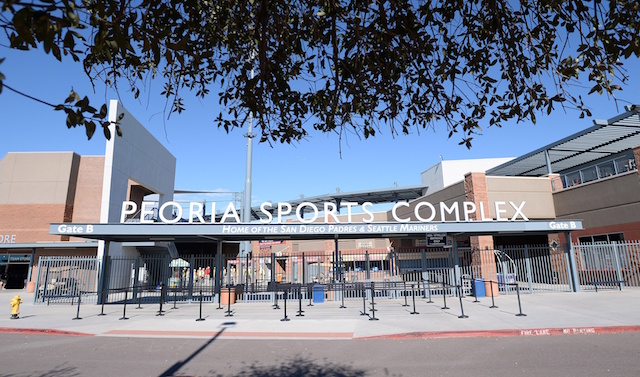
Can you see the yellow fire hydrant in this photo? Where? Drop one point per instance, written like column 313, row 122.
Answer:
column 15, row 307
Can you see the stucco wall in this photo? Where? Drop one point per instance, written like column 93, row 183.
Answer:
column 601, row 203
column 534, row 191
column 36, row 189
column 449, row 195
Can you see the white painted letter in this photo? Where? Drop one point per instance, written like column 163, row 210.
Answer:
column 349, row 205
column 281, row 206
column 482, row 217
column 469, row 208
column 449, row 210
column 230, row 211
column 395, row 209
column 128, row 208
column 330, row 210
column 264, row 210
column 366, row 210
column 195, row 211
column 518, row 211
column 176, row 218
column 431, row 208
column 300, row 213
column 146, row 209
column 500, row 210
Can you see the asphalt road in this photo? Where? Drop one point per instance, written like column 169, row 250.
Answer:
column 24, row 355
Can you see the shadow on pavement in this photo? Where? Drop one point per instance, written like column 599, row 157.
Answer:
column 175, row 367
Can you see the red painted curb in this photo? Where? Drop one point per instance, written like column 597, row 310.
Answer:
column 510, row 332
column 12, row 330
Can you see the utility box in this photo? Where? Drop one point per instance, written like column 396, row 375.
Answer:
column 318, row 293
column 478, row 288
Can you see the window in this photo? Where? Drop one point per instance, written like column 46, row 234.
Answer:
column 573, row 179
column 625, row 165
column 589, row 174
column 606, row 169
column 602, row 238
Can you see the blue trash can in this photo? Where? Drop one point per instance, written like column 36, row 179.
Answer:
column 478, row 288
column 318, row 294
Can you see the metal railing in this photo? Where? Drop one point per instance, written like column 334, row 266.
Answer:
column 534, row 268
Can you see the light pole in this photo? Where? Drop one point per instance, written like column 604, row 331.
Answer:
column 245, row 246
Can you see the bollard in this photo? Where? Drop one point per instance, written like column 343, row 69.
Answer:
column 519, row 304
column 444, row 295
column 300, row 311
column 493, row 304
column 364, row 301
column 285, row 319
column 460, row 298
column 124, row 309
column 404, row 292
column 200, row 318
column 229, row 314
column 78, row 312
column 342, row 305
column 429, row 292
column 413, row 296
column 373, row 304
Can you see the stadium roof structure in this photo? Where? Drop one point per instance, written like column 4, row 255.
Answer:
column 378, row 196
column 604, row 138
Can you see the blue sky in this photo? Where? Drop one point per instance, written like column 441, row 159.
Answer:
column 210, row 159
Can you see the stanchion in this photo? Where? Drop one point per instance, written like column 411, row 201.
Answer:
column 429, row 292
column 200, row 318
column 160, row 311
column 364, row 301
column 475, row 290
column 78, row 311
column 102, row 304
column 373, row 303
column 460, row 298
column 373, row 293
column 342, row 305
column 175, row 290
column 444, row 295
column 139, row 297
column 300, row 311
column 220, row 299
column 310, row 293
column 519, row 304
column 124, row 309
column 413, row 296
column 404, row 292
column 275, row 305
column 229, row 313
column 493, row 304
column 284, row 293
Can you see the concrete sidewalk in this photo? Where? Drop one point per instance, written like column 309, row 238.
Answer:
column 545, row 314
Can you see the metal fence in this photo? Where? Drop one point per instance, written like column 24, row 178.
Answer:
column 61, row 279
column 534, row 268
column 617, row 263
